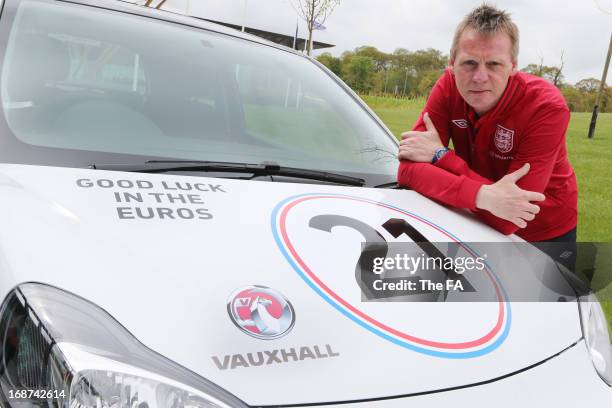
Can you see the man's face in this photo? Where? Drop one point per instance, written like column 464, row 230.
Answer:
column 482, row 67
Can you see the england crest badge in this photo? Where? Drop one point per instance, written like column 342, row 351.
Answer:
column 504, row 139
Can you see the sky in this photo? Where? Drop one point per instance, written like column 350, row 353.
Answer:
column 580, row 29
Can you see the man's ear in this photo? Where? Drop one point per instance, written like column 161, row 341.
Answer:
column 451, row 63
column 514, row 67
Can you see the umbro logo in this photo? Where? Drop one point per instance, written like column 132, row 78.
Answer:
column 461, row 123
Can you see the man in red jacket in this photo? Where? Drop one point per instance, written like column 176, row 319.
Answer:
column 509, row 161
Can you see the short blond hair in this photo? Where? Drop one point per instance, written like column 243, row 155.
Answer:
column 488, row 20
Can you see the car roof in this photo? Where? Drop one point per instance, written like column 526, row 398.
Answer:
column 169, row 16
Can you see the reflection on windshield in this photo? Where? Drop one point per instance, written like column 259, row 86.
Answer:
column 86, row 79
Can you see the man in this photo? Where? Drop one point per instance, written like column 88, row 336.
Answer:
column 509, row 161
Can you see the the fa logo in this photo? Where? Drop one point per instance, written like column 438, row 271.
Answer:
column 504, row 139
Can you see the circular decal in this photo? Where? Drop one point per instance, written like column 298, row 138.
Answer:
column 261, row 312
column 305, row 225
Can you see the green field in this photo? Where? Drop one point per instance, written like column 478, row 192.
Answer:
column 589, row 157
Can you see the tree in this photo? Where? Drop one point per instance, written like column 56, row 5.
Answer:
column 334, row 64
column 574, row 98
column 588, row 85
column 553, row 74
column 581, row 97
column 381, row 60
column 314, row 12
column 428, row 60
column 533, row 69
column 427, row 81
column 358, row 73
column 558, row 76
column 589, row 88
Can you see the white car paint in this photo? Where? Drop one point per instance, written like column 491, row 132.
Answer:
column 168, row 280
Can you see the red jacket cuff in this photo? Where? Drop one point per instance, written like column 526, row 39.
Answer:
column 467, row 193
column 450, row 162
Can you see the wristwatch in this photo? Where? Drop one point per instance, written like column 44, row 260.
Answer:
column 439, row 154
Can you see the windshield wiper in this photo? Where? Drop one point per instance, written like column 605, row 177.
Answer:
column 391, row 185
column 263, row 169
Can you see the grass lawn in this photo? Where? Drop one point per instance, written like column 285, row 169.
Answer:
column 589, row 157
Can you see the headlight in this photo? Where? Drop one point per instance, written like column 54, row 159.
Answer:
column 58, row 350
column 595, row 332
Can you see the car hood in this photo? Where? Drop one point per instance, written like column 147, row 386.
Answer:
column 164, row 253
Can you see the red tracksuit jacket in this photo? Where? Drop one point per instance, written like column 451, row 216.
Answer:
column 527, row 125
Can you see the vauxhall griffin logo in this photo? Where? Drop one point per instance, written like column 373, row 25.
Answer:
column 261, row 312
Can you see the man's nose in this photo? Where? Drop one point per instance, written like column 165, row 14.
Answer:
column 481, row 74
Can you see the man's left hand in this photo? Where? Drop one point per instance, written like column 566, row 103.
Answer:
column 420, row 146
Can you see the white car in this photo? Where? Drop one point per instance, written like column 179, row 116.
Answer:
column 184, row 214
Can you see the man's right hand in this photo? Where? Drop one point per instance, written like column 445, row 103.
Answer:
column 506, row 200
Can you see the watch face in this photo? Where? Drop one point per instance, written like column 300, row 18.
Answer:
column 439, row 153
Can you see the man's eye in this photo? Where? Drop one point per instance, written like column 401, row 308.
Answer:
column 469, row 64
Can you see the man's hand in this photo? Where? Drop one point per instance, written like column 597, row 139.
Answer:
column 420, row 146
column 506, row 200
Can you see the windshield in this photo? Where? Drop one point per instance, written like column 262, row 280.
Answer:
column 84, row 85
